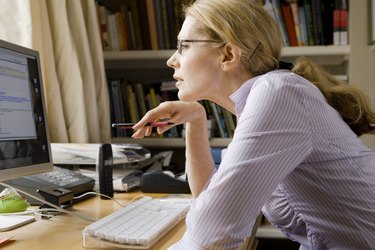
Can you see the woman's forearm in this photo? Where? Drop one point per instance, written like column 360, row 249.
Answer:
column 199, row 162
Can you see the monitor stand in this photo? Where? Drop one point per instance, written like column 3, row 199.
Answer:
column 9, row 222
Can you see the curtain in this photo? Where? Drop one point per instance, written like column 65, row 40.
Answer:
column 66, row 34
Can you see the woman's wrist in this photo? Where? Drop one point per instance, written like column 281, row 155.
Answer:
column 200, row 117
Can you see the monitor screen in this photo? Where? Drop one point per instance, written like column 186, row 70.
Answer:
column 24, row 143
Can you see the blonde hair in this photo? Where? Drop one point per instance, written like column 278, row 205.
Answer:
column 246, row 25
column 243, row 24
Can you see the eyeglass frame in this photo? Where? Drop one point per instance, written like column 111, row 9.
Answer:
column 179, row 43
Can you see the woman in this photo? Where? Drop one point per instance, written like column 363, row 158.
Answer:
column 295, row 153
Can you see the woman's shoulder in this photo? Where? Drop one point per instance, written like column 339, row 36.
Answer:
column 279, row 78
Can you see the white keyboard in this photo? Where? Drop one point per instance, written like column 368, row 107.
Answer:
column 138, row 225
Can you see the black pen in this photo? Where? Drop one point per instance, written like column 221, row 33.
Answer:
column 128, row 125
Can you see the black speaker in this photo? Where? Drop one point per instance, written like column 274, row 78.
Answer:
column 105, row 170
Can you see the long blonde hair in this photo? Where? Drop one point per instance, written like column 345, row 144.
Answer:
column 246, row 25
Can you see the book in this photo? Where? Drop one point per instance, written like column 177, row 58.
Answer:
column 309, row 22
column 296, row 20
column 327, row 20
column 165, row 23
column 132, row 103
column 102, row 15
column 340, row 22
column 153, row 98
column 140, row 98
column 144, row 24
column 289, row 23
column 343, row 23
column 125, row 27
column 219, row 120
column 130, row 27
column 159, row 24
column 280, row 21
column 230, row 122
column 152, row 24
column 178, row 16
column 171, row 24
column 133, row 12
column 123, row 44
column 302, row 21
column 317, row 21
column 113, row 39
column 117, row 105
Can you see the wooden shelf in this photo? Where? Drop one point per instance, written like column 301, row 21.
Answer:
column 157, row 58
column 329, row 50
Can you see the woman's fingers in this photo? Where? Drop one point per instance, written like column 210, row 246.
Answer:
column 177, row 112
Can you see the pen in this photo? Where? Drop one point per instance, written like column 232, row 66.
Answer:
column 131, row 124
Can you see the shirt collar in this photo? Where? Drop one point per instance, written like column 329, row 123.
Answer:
column 239, row 97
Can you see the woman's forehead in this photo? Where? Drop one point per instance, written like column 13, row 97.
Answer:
column 190, row 28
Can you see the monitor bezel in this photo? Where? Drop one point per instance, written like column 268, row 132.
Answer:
column 12, row 173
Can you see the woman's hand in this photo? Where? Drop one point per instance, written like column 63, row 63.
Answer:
column 177, row 112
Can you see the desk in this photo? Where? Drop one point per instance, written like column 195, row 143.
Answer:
column 65, row 232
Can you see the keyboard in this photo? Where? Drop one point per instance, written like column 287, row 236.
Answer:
column 138, row 225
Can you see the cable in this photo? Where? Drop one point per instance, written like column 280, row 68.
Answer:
column 106, row 196
column 59, row 209
column 74, row 214
column 36, row 212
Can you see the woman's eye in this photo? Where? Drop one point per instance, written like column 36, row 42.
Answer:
column 182, row 47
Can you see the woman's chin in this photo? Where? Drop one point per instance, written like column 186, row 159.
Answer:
column 185, row 97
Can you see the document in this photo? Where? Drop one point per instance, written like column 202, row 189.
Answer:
column 87, row 153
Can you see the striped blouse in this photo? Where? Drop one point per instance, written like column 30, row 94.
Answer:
column 294, row 158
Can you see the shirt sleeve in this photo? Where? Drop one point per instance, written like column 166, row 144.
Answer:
column 271, row 139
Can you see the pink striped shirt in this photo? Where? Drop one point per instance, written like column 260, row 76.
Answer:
column 294, row 158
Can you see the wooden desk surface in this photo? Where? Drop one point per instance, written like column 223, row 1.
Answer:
column 65, row 232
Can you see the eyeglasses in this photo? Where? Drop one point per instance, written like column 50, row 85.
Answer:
column 180, row 46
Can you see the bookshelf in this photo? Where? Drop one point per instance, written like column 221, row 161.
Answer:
column 134, row 64
column 141, row 62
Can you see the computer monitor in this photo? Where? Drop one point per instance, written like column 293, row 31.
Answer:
column 24, row 141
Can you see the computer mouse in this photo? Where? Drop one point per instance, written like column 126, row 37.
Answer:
column 12, row 202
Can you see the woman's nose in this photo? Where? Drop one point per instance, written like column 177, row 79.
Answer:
column 171, row 62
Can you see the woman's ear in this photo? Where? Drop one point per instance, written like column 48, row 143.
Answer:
column 230, row 56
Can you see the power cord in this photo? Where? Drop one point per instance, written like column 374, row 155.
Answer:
column 59, row 209
column 41, row 211
column 108, row 197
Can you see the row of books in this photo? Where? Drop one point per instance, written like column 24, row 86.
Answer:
column 140, row 24
column 129, row 101
column 310, row 22
column 154, row 24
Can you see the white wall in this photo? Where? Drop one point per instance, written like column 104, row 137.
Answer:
column 362, row 57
